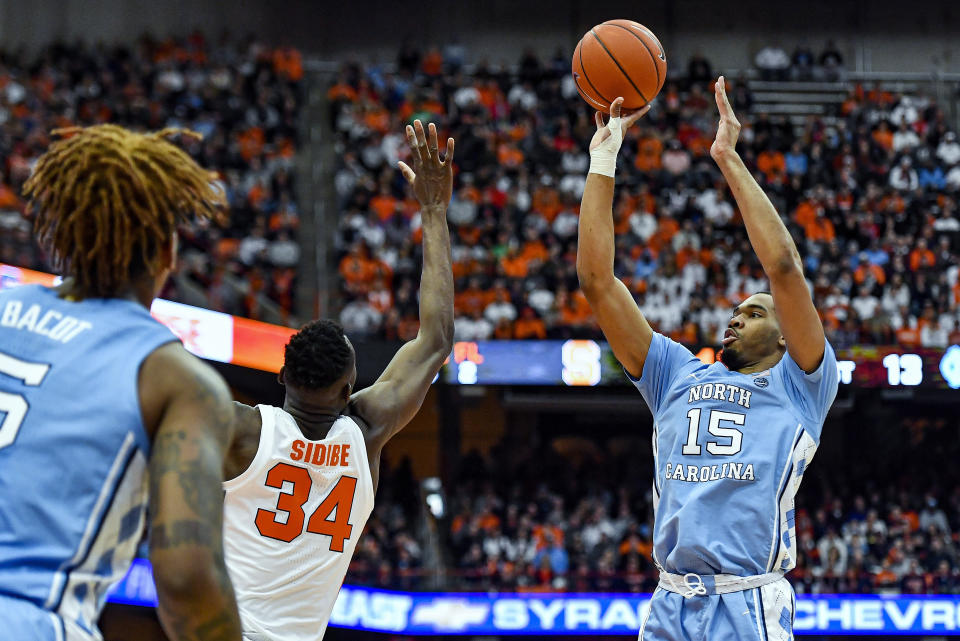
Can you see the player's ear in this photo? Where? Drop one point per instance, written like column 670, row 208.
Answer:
column 782, row 342
column 280, row 376
column 169, row 251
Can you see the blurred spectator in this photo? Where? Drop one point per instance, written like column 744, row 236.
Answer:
column 831, row 60
column 802, row 62
column 699, row 70
column 772, row 62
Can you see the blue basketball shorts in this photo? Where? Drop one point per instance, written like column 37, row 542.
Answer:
column 761, row 614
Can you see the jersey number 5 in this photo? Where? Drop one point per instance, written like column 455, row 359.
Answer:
column 14, row 406
column 340, row 499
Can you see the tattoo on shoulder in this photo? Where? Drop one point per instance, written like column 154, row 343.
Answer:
column 199, row 482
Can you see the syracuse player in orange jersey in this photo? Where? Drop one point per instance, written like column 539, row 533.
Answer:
column 303, row 477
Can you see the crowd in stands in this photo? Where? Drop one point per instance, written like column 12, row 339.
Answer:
column 390, row 554
column 242, row 97
column 774, row 63
column 868, row 192
column 580, row 520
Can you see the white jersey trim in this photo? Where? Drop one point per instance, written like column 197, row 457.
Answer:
column 781, row 491
column 93, row 522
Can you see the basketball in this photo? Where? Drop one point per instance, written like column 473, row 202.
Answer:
column 619, row 58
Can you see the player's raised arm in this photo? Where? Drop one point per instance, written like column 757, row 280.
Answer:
column 622, row 323
column 390, row 403
column 194, row 418
column 772, row 243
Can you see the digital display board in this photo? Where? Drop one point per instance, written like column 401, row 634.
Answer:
column 248, row 343
column 591, row 363
column 453, row 613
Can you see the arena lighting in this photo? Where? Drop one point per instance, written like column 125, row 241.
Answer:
column 433, row 496
column 504, row 614
column 950, row 366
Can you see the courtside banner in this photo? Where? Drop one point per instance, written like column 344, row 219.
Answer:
column 211, row 335
column 583, row 614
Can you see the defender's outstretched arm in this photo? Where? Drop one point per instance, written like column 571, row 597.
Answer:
column 389, row 404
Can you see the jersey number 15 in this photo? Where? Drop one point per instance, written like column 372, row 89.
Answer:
column 340, row 499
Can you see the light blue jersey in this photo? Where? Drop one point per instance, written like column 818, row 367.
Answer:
column 730, row 450
column 73, row 457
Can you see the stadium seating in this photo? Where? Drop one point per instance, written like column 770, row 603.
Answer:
column 581, row 519
column 867, row 186
column 243, row 97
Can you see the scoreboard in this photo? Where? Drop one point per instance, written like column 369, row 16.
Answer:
column 248, row 343
column 592, row 363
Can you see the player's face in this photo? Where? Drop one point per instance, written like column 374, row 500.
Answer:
column 753, row 333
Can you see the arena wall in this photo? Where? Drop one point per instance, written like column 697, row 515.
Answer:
column 876, row 35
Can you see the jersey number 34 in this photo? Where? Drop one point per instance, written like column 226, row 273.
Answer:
column 340, row 499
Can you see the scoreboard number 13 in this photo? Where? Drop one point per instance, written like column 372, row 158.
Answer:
column 903, row 369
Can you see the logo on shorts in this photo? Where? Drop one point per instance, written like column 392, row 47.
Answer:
column 761, row 381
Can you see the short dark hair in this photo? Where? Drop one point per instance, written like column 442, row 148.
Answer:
column 316, row 356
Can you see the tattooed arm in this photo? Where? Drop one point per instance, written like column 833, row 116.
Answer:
column 188, row 410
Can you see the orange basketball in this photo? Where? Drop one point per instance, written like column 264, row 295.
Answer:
column 619, row 58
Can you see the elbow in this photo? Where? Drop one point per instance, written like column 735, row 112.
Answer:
column 588, row 277
column 591, row 282
column 183, row 584
column 788, row 263
column 440, row 340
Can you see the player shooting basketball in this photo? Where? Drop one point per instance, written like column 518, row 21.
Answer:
column 303, row 477
column 731, row 440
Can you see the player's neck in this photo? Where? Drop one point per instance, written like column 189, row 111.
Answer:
column 313, row 419
column 140, row 291
column 762, row 365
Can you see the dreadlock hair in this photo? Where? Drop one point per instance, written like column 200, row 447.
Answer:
column 316, row 356
column 107, row 200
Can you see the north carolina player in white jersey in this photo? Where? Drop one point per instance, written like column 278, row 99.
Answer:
column 731, row 440
column 303, row 477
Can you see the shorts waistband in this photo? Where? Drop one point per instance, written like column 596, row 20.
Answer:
column 692, row 584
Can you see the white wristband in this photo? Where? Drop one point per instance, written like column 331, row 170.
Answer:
column 603, row 159
column 604, row 163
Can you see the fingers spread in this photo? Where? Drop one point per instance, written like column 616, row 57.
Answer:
column 421, row 137
column 635, row 116
column 448, row 157
column 598, row 118
column 406, row 171
column 414, row 147
column 433, row 146
column 615, row 108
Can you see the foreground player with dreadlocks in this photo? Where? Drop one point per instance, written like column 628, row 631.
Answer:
column 303, row 478
column 96, row 398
